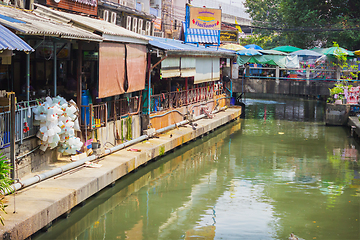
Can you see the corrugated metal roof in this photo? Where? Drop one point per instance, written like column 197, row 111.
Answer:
column 27, row 23
column 177, row 46
column 89, row 23
column 201, row 35
column 9, row 41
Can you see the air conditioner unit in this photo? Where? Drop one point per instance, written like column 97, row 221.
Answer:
column 134, row 24
column 128, row 23
column 148, row 28
column 106, row 15
column 140, row 26
column 113, row 17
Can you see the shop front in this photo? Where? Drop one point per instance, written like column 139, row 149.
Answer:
column 186, row 78
column 112, row 77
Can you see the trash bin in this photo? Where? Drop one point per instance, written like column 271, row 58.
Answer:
column 85, row 111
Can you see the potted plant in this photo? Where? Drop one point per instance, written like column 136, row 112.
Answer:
column 338, row 94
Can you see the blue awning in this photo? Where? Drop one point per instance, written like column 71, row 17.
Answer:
column 173, row 46
column 201, row 35
column 9, row 41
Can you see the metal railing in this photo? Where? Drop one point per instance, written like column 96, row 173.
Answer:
column 300, row 74
column 24, row 126
column 165, row 101
column 97, row 115
column 122, row 107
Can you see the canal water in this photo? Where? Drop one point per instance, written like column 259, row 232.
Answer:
column 277, row 172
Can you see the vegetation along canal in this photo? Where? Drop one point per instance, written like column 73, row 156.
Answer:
column 277, row 172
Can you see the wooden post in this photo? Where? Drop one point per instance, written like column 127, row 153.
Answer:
column 12, row 135
column 55, row 69
column 78, row 80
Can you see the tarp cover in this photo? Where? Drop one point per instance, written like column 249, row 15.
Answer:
column 170, row 67
column 279, row 60
column 112, row 74
column 188, row 67
column 136, row 66
column 111, row 69
column 207, row 69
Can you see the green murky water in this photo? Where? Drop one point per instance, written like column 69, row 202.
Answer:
column 281, row 170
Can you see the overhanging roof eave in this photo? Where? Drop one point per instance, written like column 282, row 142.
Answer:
column 179, row 53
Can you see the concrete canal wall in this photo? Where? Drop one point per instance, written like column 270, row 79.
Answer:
column 284, row 87
column 38, row 205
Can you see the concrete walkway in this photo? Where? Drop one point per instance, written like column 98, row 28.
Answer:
column 38, row 205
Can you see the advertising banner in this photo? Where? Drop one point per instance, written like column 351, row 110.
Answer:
column 205, row 18
column 228, row 36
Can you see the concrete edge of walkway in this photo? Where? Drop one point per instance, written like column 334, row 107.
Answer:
column 38, row 205
column 353, row 122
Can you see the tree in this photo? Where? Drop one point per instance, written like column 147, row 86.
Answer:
column 307, row 23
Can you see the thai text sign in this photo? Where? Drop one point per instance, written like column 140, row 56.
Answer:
column 205, row 18
column 228, row 36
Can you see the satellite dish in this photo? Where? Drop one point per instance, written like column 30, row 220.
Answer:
column 57, row 1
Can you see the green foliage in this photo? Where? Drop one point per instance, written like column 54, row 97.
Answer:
column 161, row 151
column 5, row 182
column 341, row 61
column 122, row 130
column 264, row 41
column 129, row 128
column 307, row 23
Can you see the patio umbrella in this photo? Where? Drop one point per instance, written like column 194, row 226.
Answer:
column 307, row 53
column 357, row 52
column 253, row 46
column 232, row 46
column 335, row 51
column 288, row 49
column 248, row 52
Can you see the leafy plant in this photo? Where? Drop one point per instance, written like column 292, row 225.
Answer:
column 341, row 61
column 5, row 182
column 338, row 92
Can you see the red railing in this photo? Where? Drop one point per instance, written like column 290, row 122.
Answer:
column 178, row 99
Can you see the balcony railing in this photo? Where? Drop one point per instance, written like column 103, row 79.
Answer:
column 165, row 101
column 24, row 127
column 97, row 115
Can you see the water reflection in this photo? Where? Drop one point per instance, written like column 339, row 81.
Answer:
column 259, row 178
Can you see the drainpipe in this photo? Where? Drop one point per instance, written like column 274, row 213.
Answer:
column 59, row 170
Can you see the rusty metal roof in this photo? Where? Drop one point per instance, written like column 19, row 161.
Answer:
column 88, row 23
column 25, row 22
